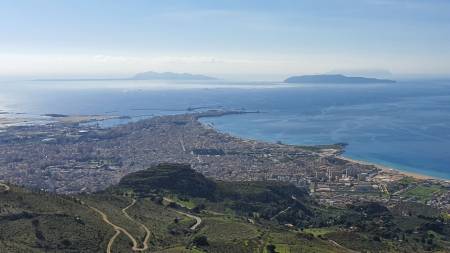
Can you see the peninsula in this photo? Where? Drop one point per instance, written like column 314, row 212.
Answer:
column 335, row 79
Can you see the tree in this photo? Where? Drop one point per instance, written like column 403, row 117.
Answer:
column 271, row 248
column 200, row 240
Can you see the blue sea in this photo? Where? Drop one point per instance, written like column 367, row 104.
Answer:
column 404, row 125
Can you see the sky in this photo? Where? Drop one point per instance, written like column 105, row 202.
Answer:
column 225, row 38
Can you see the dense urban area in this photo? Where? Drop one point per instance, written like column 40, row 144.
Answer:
column 175, row 184
column 71, row 157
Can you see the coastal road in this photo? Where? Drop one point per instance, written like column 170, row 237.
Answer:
column 5, row 187
column 119, row 230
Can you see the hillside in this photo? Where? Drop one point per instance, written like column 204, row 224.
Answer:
column 335, row 79
column 172, row 208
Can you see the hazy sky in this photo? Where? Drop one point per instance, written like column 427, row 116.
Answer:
column 223, row 38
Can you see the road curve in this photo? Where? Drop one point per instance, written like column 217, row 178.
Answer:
column 119, row 230
column 111, row 241
column 147, row 231
column 6, row 187
column 198, row 220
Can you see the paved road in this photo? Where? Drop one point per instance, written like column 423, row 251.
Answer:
column 119, row 230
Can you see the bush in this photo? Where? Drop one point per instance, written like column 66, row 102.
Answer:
column 271, row 248
column 200, row 241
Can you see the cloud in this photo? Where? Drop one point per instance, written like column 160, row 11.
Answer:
column 411, row 4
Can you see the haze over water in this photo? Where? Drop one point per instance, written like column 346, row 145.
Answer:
column 404, row 125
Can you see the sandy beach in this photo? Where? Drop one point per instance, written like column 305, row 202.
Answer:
column 391, row 170
column 71, row 119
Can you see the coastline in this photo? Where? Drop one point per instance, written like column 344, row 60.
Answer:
column 391, row 170
column 385, row 169
column 6, row 122
column 70, row 119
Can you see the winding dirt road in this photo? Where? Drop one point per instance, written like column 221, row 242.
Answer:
column 119, row 230
column 5, row 187
column 342, row 247
column 198, row 220
column 147, row 231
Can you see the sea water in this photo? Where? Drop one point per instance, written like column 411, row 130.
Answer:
column 405, row 125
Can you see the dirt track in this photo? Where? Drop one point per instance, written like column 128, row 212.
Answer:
column 6, row 188
column 119, row 230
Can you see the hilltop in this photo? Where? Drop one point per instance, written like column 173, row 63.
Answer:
column 335, row 79
column 144, row 214
column 172, row 208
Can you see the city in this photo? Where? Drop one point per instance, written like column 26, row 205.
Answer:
column 71, row 157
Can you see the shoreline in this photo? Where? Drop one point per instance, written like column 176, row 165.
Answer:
column 383, row 168
column 219, row 113
column 392, row 170
column 6, row 122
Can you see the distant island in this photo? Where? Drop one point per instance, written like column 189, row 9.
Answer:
column 336, row 79
column 149, row 75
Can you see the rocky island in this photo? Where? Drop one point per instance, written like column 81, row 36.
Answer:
column 148, row 75
column 151, row 75
column 335, row 79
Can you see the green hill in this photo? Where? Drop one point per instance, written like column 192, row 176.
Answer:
column 171, row 208
column 265, row 199
column 173, row 178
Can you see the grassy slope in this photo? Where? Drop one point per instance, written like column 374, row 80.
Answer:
column 42, row 222
column 377, row 227
column 422, row 193
column 34, row 222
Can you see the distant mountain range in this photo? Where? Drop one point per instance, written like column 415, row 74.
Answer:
column 335, row 79
column 171, row 76
column 149, row 75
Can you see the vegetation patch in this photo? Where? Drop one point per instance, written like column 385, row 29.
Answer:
column 422, row 193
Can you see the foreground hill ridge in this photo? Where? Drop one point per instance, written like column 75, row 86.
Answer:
column 160, row 209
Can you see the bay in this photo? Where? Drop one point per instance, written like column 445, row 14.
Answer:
column 404, row 125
